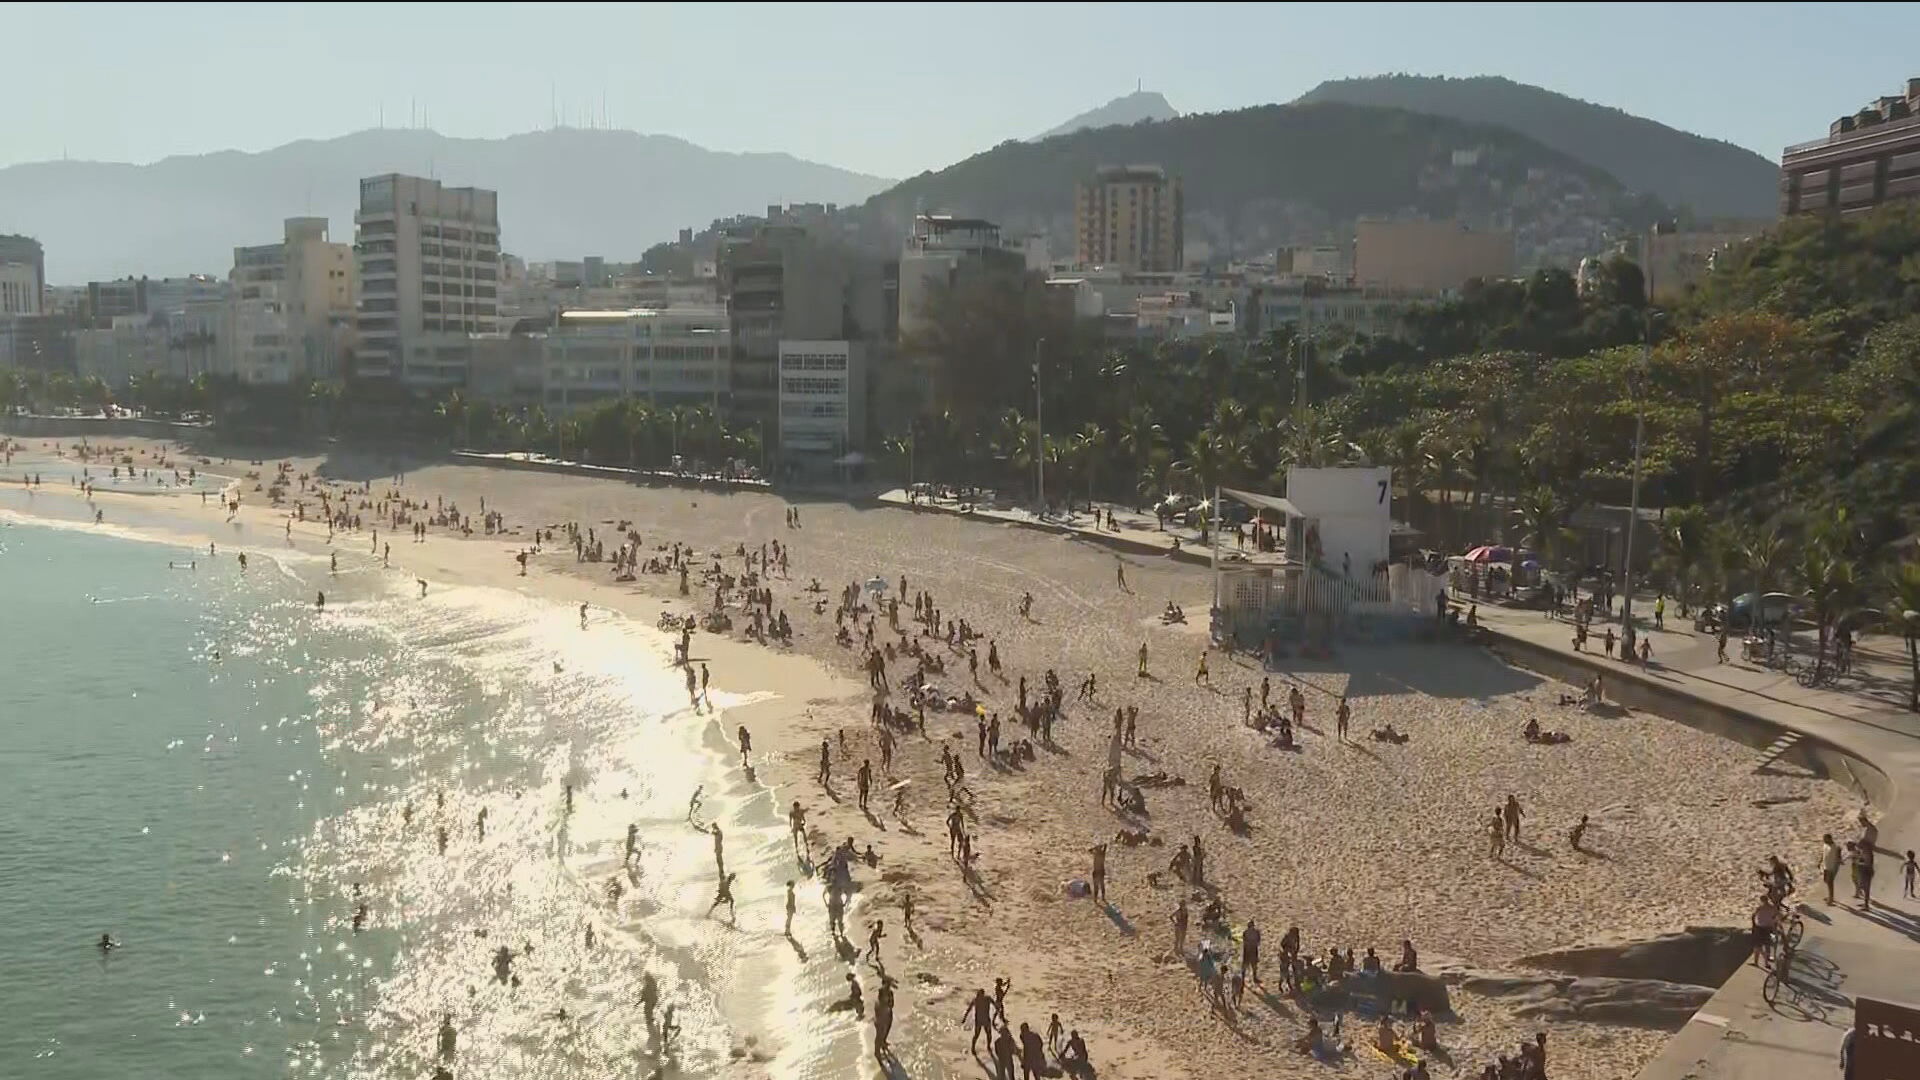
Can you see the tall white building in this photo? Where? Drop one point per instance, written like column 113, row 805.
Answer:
column 429, row 264
column 823, row 402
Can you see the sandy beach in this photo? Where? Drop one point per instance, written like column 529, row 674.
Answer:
column 1360, row 844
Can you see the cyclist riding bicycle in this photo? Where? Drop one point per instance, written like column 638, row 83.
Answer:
column 1779, row 878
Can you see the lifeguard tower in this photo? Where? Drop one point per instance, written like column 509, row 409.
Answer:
column 1329, row 577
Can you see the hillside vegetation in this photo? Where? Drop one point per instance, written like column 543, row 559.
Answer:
column 1708, row 176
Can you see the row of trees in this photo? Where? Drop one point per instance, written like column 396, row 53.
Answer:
column 1778, row 406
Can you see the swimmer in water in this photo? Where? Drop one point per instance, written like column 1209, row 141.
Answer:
column 243, row 560
column 107, row 943
column 320, row 602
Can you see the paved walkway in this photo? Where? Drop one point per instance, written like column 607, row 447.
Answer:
column 1846, row 953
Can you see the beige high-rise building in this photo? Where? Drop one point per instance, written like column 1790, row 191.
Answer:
column 429, row 275
column 1428, row 256
column 1129, row 216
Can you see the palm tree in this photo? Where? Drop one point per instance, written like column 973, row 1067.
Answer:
column 1542, row 517
column 1828, row 579
column 1683, row 544
column 1140, row 435
column 1903, row 589
column 1763, row 553
column 1012, row 442
column 1090, row 448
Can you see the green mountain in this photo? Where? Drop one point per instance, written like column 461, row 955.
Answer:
column 1279, row 174
column 1711, row 177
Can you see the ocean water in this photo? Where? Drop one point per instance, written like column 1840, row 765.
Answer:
column 200, row 763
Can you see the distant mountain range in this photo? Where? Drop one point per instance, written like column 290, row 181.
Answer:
column 1711, row 177
column 1279, row 174
column 564, row 193
column 1126, row 109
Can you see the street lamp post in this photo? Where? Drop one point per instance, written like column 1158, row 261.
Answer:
column 1039, row 434
column 1639, row 433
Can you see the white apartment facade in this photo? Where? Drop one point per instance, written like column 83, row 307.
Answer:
column 19, row 289
column 823, row 401
column 665, row 356
column 429, row 275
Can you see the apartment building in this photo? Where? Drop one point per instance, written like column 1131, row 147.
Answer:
column 1429, row 256
column 666, row 356
column 109, row 300
column 936, row 249
column 429, row 270
column 19, row 289
column 1868, row 158
column 23, row 276
column 822, row 404
column 1130, row 216
column 779, row 283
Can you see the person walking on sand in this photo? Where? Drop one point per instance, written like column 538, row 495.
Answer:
column 883, row 1017
column 864, row 781
column 704, row 676
column 826, row 766
column 723, row 895
column 1099, row 875
column 1513, row 815
column 876, row 932
column 1120, row 573
column 1179, row 920
column 1250, row 951
column 1141, row 672
column 980, row 1014
column 1497, row 830
column 1341, row 718
column 1579, row 833
column 746, row 744
column 1200, row 676
column 797, row 826
column 1909, row 870
column 787, row 931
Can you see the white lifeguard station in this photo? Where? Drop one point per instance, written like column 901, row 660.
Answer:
column 1330, row 576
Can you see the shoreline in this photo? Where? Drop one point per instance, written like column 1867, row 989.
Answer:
column 803, row 685
column 1037, row 821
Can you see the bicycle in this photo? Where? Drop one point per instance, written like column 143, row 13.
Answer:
column 1780, row 975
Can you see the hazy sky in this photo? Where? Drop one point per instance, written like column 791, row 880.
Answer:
column 889, row 89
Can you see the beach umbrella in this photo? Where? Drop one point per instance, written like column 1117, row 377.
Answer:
column 1482, row 553
column 877, row 585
